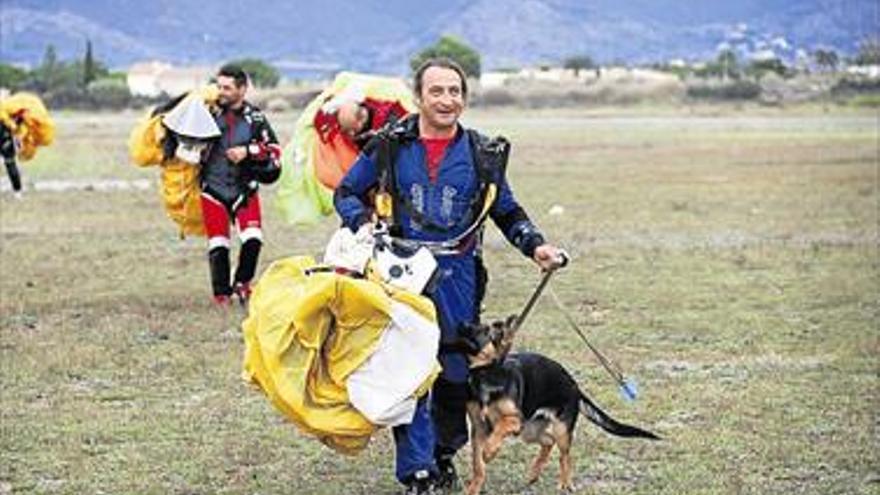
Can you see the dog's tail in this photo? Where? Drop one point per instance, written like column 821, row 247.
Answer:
column 609, row 424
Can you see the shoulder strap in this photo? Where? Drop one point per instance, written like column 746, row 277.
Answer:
column 490, row 156
column 386, row 143
column 489, row 159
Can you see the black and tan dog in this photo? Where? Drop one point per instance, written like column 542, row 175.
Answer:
column 525, row 394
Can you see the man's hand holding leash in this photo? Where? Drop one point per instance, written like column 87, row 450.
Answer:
column 549, row 257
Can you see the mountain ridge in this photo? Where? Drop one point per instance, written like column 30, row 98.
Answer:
column 381, row 36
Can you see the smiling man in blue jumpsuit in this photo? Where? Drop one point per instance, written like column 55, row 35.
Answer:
column 437, row 180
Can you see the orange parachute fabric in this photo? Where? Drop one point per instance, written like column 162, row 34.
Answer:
column 319, row 155
column 26, row 116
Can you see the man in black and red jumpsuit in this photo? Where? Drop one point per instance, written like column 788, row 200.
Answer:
column 8, row 150
column 245, row 155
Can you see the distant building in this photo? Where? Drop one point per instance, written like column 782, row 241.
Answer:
column 870, row 71
column 493, row 79
column 155, row 78
column 293, row 70
column 559, row 75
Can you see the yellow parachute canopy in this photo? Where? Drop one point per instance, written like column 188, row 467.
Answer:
column 310, row 332
column 312, row 167
column 26, row 116
column 179, row 180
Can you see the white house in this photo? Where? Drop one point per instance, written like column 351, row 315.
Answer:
column 155, row 78
column 869, row 71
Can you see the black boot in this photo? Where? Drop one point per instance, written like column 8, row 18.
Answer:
column 247, row 260
column 218, row 260
column 14, row 176
column 449, row 414
column 421, row 483
column 447, row 479
column 247, row 267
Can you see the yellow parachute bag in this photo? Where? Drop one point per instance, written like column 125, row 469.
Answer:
column 313, row 168
column 145, row 141
column 26, row 116
column 321, row 346
column 180, row 190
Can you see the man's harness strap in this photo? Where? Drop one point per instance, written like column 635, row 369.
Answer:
column 490, row 161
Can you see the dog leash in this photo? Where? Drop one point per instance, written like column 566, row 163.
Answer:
column 628, row 388
column 539, row 289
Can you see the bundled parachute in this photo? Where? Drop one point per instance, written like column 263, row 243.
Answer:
column 25, row 115
column 319, row 154
column 180, row 123
column 339, row 356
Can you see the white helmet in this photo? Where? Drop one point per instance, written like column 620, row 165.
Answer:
column 194, row 125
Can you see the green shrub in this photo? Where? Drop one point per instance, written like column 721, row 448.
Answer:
column 866, row 100
column 453, row 48
column 494, row 97
column 849, row 86
column 734, row 90
column 262, row 74
column 108, row 93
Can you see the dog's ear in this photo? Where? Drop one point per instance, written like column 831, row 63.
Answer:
column 509, row 329
column 482, row 342
column 467, row 341
column 511, row 322
column 466, row 330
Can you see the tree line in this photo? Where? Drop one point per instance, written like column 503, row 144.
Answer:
column 86, row 82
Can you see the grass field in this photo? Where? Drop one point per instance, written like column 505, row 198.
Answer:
column 725, row 258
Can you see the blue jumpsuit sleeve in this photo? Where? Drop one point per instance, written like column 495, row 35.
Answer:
column 513, row 221
column 349, row 196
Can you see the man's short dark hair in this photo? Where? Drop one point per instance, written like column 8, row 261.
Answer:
column 235, row 72
column 442, row 62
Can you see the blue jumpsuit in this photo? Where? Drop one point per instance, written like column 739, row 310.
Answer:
column 450, row 202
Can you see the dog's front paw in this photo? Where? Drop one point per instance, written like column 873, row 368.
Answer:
column 473, row 487
column 489, row 452
column 566, row 487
